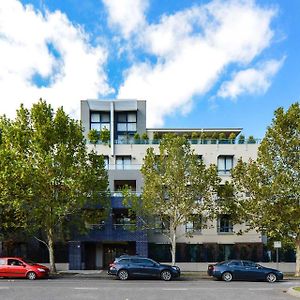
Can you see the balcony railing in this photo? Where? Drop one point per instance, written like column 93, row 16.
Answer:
column 192, row 141
column 123, row 167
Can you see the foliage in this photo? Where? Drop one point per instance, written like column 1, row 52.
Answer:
column 136, row 136
column 271, row 183
column 105, row 135
column 214, row 138
column 94, row 136
column 145, row 136
column 156, row 136
column 177, row 185
column 241, row 139
column 251, row 140
column 232, row 137
column 46, row 175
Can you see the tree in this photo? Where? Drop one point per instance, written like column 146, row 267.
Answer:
column 177, row 186
column 271, row 183
column 46, row 175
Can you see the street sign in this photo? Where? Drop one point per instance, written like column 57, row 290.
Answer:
column 277, row 244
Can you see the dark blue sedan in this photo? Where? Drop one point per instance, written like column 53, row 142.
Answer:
column 243, row 270
column 135, row 266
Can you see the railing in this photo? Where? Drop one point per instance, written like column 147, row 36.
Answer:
column 124, row 167
column 192, row 141
column 130, row 226
column 120, row 194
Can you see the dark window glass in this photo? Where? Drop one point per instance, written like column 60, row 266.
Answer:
column 249, row 264
column 124, row 261
column 14, row 262
column 235, row 263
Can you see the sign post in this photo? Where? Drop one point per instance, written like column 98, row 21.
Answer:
column 277, row 245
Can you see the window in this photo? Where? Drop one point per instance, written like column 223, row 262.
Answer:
column 106, row 162
column 235, row 263
column 126, row 122
column 225, row 164
column 224, row 224
column 194, row 224
column 123, row 162
column 249, row 264
column 14, row 262
column 2, row 262
column 100, row 120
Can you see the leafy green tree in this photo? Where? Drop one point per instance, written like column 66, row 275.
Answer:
column 46, row 174
column 177, row 186
column 272, row 182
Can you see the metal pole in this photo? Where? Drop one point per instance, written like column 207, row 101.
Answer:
column 277, row 258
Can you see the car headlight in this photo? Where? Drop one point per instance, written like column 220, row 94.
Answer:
column 41, row 270
column 175, row 268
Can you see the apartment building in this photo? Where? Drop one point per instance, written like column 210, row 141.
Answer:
column 124, row 158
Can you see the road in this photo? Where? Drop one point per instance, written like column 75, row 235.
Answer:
column 111, row 289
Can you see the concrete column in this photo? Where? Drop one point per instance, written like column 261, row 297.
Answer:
column 112, row 129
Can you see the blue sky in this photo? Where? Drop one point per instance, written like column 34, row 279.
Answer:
column 197, row 63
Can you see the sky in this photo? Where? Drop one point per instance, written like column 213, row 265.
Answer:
column 198, row 63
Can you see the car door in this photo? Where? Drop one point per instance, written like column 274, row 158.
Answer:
column 15, row 268
column 236, row 268
column 252, row 271
column 136, row 267
column 150, row 268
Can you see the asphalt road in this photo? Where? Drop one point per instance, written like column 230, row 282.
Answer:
column 84, row 289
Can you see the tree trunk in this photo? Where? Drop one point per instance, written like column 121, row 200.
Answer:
column 51, row 251
column 173, row 245
column 297, row 272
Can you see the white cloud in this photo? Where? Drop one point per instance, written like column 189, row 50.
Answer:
column 73, row 70
column 126, row 15
column 192, row 49
column 252, row 80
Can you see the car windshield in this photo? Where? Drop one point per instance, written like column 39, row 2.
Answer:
column 29, row 262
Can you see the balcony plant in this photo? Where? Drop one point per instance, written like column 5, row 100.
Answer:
column 251, row 140
column 105, row 136
column 241, row 139
column 194, row 137
column 231, row 138
column 213, row 138
column 145, row 138
column 93, row 136
column 222, row 138
column 155, row 138
column 136, row 138
column 203, row 138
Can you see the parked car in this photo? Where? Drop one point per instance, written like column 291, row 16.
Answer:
column 18, row 267
column 127, row 266
column 243, row 270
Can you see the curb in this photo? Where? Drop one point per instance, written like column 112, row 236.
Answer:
column 292, row 292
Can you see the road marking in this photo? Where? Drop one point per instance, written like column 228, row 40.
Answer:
column 261, row 289
column 86, row 288
column 4, row 288
column 175, row 289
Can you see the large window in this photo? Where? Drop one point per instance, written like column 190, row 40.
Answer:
column 126, row 122
column 123, row 162
column 225, row 164
column 225, row 224
column 100, row 120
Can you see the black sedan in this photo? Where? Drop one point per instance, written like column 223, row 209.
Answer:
column 136, row 266
column 243, row 270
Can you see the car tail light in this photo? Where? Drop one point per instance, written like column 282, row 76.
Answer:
column 112, row 265
column 210, row 267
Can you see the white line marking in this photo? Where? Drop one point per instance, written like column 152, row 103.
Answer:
column 85, row 288
column 261, row 289
column 4, row 288
column 175, row 289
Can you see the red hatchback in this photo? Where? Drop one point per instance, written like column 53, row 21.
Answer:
column 18, row 267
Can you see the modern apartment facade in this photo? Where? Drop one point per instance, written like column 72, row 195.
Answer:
column 124, row 158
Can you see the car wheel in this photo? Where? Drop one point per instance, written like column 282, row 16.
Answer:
column 227, row 276
column 271, row 277
column 123, row 275
column 31, row 275
column 166, row 275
